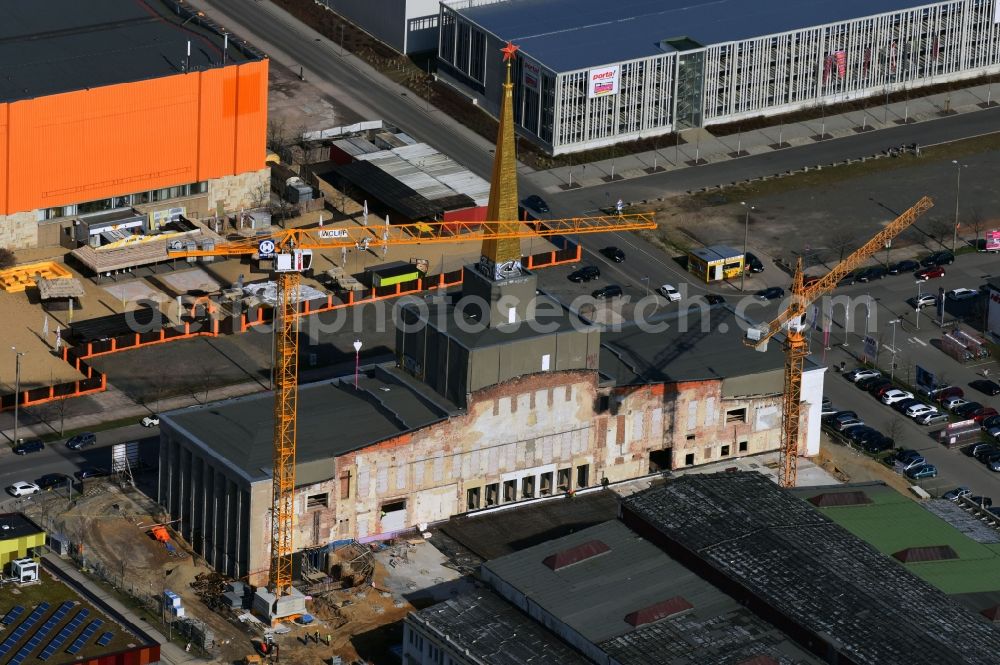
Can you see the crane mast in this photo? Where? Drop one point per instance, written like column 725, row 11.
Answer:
column 790, row 320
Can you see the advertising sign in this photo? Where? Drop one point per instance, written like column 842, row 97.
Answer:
column 604, row 81
column 531, row 74
column 330, row 234
column 871, row 348
column 993, row 237
column 926, row 379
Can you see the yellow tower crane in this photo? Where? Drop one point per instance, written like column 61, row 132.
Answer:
column 291, row 251
column 791, row 322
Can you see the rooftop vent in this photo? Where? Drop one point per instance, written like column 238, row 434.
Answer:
column 660, row 610
column 830, row 499
column 932, row 553
column 576, row 554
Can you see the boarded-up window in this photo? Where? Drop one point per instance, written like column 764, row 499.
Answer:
column 736, row 415
column 345, row 485
column 637, row 423
column 708, row 452
column 382, row 479
column 710, row 414
column 317, row 500
column 768, row 417
column 692, row 415
column 400, row 474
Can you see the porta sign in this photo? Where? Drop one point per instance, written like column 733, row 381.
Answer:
column 993, row 237
column 604, row 81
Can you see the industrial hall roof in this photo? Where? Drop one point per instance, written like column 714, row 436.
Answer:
column 333, row 419
column 16, row 525
column 783, row 556
column 565, row 35
column 697, row 344
column 486, row 626
column 55, row 46
column 621, row 592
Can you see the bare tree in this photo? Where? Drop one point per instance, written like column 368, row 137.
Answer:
column 939, row 228
column 260, row 196
column 894, row 428
column 279, row 138
column 977, row 223
column 59, row 408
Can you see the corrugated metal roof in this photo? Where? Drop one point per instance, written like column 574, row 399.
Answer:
column 430, row 173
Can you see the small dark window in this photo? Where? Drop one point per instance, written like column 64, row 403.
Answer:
column 690, row 437
column 736, row 416
column 472, row 499
column 317, row 501
column 689, row 459
column 583, row 475
column 725, row 451
column 545, row 486
column 528, row 487
column 563, row 479
column 603, row 403
column 510, row 490
column 743, row 446
column 395, row 506
column 492, row 494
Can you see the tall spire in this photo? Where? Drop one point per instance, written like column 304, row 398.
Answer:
column 501, row 258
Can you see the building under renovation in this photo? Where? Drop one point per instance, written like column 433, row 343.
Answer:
column 499, row 394
column 592, row 73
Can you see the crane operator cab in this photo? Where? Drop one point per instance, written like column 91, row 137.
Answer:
column 297, row 260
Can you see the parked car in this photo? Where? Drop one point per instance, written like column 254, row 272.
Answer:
column 952, row 403
column 714, row 299
column 585, row 274
column 938, row 259
column 896, row 395
column 941, row 393
column 29, row 446
column 752, row 263
column 90, row 472
column 903, row 404
column 860, row 433
column 981, row 501
column 606, row 292
column 826, row 411
column 979, row 415
column 81, row 440
column 911, row 462
column 961, row 293
column 929, row 273
column 770, row 293
column 966, row 410
column 50, row 480
column 957, row 493
column 922, row 472
column 150, row 421
column 983, row 452
column 902, row 456
column 993, row 431
column 536, row 202
column 839, row 415
column 848, row 423
column 614, row 254
column 986, row 386
column 918, row 410
column 880, row 388
column 977, row 447
column 900, row 267
column 991, row 421
column 22, row 488
column 669, row 292
column 994, row 465
column 870, row 382
column 936, row 418
column 869, row 274
column 877, row 444
column 856, row 375
column 924, row 300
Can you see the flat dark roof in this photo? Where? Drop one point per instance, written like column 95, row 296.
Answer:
column 17, row 525
column 333, row 419
column 809, row 572
column 696, row 346
column 595, row 596
column 574, row 34
column 54, row 46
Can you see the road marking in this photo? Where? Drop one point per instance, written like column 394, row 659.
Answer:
column 918, row 341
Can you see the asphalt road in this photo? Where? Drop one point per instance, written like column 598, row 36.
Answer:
column 57, row 458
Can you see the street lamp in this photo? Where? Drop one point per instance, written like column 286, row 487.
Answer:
column 892, row 368
column 746, row 237
column 17, row 387
column 646, row 281
column 357, row 361
column 958, row 191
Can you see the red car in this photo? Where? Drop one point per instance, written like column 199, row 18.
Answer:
column 929, row 273
column 980, row 414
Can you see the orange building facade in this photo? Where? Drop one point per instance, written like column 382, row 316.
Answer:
column 201, row 133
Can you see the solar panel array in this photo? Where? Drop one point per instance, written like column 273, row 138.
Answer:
column 105, row 639
column 84, row 636
column 42, row 633
column 64, row 634
column 22, row 629
column 12, row 616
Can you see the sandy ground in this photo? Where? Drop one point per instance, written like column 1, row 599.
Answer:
column 851, row 466
column 24, row 330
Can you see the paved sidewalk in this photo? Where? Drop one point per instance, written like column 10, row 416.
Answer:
column 702, row 146
column 170, row 653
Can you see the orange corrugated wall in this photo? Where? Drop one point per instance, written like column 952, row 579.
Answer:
column 118, row 139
